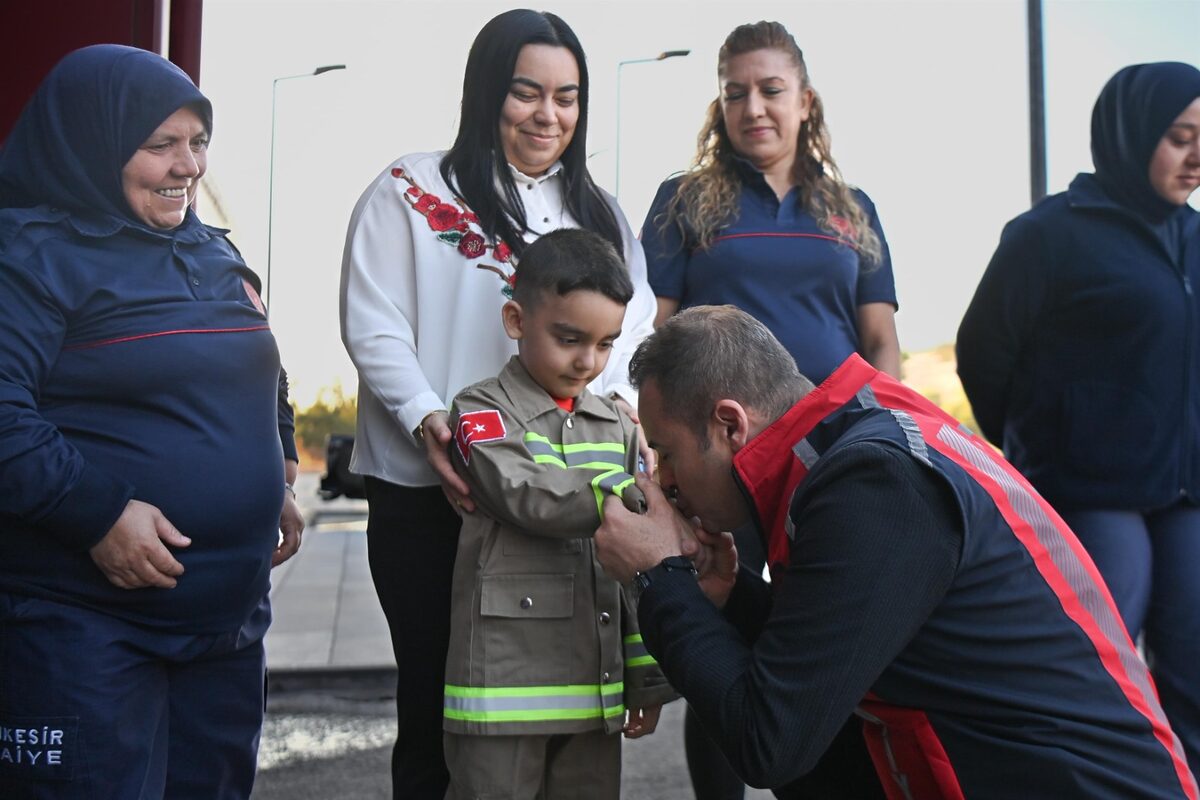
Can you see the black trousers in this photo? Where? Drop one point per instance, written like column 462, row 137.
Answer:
column 412, row 536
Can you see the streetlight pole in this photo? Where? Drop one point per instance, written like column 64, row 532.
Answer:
column 271, row 168
column 1037, row 101
column 660, row 57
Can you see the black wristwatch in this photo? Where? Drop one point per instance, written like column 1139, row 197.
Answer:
column 642, row 580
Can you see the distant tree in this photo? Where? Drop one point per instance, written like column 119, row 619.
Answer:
column 939, row 383
column 331, row 413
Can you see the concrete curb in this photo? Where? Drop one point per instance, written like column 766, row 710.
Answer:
column 356, row 679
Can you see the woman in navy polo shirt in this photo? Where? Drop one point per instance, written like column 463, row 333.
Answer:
column 764, row 221
column 1080, row 354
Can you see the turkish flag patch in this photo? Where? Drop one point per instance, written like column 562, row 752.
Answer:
column 477, row 427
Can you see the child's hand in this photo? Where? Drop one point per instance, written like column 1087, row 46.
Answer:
column 642, row 721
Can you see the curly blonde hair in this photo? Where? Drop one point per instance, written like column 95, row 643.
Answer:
column 707, row 197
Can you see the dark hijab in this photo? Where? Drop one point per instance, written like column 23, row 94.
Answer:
column 86, row 120
column 1134, row 110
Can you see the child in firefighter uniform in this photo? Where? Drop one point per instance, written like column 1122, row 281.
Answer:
column 545, row 657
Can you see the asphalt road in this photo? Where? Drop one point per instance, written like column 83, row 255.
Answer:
column 336, row 743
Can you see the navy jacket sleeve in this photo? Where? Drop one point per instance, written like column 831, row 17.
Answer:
column 1000, row 323
column 666, row 254
column 287, row 420
column 44, row 481
column 878, row 539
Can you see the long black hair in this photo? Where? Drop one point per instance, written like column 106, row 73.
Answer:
column 476, row 160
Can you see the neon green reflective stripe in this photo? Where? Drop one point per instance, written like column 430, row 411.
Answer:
column 533, row 703
column 635, row 652
column 578, row 447
column 607, row 466
column 536, row 438
column 615, row 481
column 522, row 716
column 588, row 455
column 612, row 482
column 554, row 461
column 572, row 689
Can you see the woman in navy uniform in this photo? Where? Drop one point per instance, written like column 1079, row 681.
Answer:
column 1080, row 353
column 145, row 449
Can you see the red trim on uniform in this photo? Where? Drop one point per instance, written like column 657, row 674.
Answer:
column 908, row 745
column 123, row 339
column 770, row 487
column 565, row 403
column 846, row 242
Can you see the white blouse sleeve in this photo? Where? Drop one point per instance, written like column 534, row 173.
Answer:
column 639, row 317
column 378, row 304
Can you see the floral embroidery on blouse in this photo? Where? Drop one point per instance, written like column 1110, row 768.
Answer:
column 452, row 225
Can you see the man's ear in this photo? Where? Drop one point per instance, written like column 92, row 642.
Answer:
column 733, row 423
column 511, row 315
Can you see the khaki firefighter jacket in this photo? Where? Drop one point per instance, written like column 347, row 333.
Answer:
column 541, row 640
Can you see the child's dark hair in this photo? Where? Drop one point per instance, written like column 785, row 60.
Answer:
column 568, row 260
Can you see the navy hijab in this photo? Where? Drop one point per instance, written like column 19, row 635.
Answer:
column 86, row 120
column 1134, row 110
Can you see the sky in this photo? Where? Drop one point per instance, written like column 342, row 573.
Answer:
column 926, row 102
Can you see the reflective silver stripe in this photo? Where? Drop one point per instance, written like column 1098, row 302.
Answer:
column 577, row 458
column 532, row 704
column 544, row 452
column 1069, row 566
column 541, row 703
column 912, row 432
column 885, row 735
column 807, row 454
column 866, row 397
column 610, row 482
column 635, row 652
column 585, row 454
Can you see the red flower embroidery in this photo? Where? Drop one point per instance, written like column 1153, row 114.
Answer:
column 453, row 226
column 442, row 217
column 472, row 245
column 427, row 202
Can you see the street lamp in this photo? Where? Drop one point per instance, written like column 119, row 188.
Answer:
column 660, row 57
column 271, row 173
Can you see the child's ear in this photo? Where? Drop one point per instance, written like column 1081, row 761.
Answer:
column 510, row 314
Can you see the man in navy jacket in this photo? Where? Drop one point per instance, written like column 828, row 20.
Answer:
column 918, row 581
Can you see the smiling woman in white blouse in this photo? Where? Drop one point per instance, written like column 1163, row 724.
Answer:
column 430, row 259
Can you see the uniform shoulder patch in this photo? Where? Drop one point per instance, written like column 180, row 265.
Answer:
column 478, row 427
